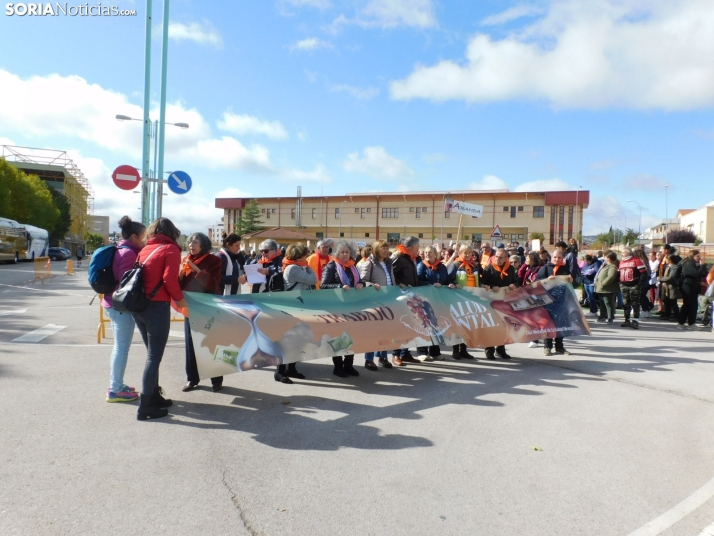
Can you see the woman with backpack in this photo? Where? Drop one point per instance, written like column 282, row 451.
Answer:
column 200, row 272
column 161, row 258
column 123, row 324
column 377, row 270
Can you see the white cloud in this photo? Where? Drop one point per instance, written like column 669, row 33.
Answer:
column 511, row 14
column 392, row 13
column 233, row 192
column 248, row 124
column 544, row 185
column 57, row 107
column 641, row 54
column 311, row 43
column 647, row 183
column 357, row 92
column 377, row 163
column 203, row 34
column 319, row 175
column 489, row 182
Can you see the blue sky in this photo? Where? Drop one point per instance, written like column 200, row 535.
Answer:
column 362, row 95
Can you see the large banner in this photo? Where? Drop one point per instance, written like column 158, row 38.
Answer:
column 242, row 332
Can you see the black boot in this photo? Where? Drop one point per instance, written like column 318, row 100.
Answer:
column 463, row 353
column 455, row 352
column 339, row 369
column 281, row 375
column 349, row 369
column 149, row 410
column 501, row 352
column 293, row 372
column 490, row 353
column 159, row 400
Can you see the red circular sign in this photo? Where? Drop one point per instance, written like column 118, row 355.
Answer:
column 126, row 177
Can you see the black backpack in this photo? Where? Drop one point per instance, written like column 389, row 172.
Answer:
column 131, row 296
column 675, row 276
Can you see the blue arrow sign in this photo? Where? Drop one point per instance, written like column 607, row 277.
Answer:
column 179, row 182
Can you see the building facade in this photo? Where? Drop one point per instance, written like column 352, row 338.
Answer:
column 700, row 222
column 100, row 225
column 366, row 217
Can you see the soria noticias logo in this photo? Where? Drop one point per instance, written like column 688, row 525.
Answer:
column 58, row 9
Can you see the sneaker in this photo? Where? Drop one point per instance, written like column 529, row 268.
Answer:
column 547, row 351
column 533, row 344
column 122, row 396
column 125, row 387
column 626, row 324
column 424, row 358
column 610, row 320
column 561, row 351
column 440, row 357
column 635, row 324
column 681, row 327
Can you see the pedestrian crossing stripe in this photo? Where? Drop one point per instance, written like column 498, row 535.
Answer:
column 40, row 334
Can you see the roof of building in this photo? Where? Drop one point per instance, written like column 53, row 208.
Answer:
column 279, row 233
column 685, row 211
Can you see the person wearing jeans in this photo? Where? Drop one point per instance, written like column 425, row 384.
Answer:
column 607, row 287
column 589, row 271
column 122, row 323
column 161, row 258
column 693, row 271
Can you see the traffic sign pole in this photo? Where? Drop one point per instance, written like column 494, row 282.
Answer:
column 159, row 200
column 145, row 199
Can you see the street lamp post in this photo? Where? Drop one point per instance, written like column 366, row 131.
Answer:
column 639, row 225
column 666, row 211
column 578, row 236
column 443, row 212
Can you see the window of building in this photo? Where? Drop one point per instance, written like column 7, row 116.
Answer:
column 366, row 235
column 513, row 212
column 356, row 211
column 424, row 209
column 477, row 237
column 520, row 209
column 369, row 210
column 267, row 215
column 362, row 213
column 342, row 235
column 421, row 235
column 521, row 237
column 292, row 213
column 390, row 213
column 320, row 235
column 314, row 213
column 448, row 235
column 505, row 209
column 262, row 210
column 447, row 215
column 411, row 209
column 337, row 213
column 539, row 212
column 274, row 211
column 392, row 238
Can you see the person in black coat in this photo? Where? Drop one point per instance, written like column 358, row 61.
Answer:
column 272, row 261
column 232, row 265
column 499, row 274
column 557, row 266
column 404, row 265
column 341, row 273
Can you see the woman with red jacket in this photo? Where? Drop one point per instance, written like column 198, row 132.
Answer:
column 200, row 272
column 161, row 258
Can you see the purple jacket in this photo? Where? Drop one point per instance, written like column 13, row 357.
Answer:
column 124, row 260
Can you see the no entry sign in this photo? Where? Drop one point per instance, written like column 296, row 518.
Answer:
column 126, row 177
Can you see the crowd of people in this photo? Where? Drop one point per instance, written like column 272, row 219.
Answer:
column 635, row 282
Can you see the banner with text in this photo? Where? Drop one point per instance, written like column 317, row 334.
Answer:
column 237, row 333
column 460, row 207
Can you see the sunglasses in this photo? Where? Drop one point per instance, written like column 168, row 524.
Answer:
column 266, row 250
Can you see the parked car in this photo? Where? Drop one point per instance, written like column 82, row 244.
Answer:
column 58, row 254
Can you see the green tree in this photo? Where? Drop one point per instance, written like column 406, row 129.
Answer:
column 27, row 198
column 94, row 241
column 65, row 220
column 537, row 236
column 250, row 218
column 630, row 236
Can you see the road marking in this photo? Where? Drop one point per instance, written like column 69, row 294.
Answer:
column 39, row 334
column 708, row 531
column 15, row 312
column 678, row 512
column 46, row 290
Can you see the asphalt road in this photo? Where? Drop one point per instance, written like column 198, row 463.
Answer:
column 616, row 438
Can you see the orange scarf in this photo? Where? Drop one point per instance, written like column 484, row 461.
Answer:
column 432, row 266
column 468, row 265
column 186, row 270
column 502, row 270
column 350, row 263
column 404, row 251
column 555, row 268
column 288, row 262
column 264, row 260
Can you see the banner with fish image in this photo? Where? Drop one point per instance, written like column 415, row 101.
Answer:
column 242, row 332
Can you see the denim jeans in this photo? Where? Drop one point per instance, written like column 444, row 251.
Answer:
column 590, row 291
column 369, row 356
column 123, row 328
column 401, row 352
column 154, row 323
